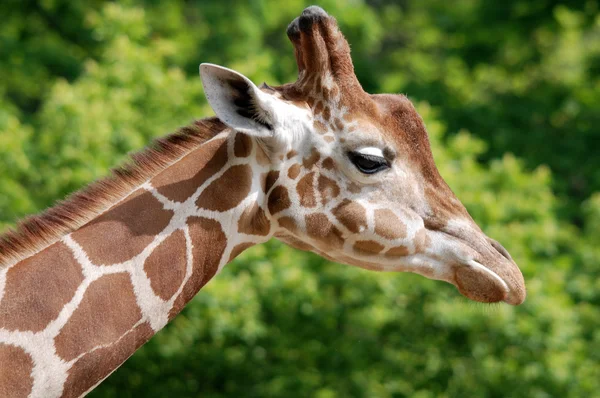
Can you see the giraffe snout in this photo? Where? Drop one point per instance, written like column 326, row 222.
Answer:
column 484, row 270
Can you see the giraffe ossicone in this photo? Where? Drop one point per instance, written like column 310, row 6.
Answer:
column 319, row 164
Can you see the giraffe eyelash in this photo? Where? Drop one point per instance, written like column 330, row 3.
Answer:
column 371, row 151
column 367, row 163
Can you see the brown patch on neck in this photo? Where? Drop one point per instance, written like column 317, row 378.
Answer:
column 278, row 200
column 183, row 179
column 227, row 191
column 242, row 146
column 38, row 287
column 238, row 249
column 15, row 371
column 165, row 267
column 96, row 365
column 254, row 221
column 36, row 233
column 270, row 179
column 289, row 224
column 107, row 311
column 208, row 244
column 125, row 230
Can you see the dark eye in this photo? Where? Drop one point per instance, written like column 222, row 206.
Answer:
column 368, row 164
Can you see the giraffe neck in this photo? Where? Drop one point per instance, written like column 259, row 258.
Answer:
column 73, row 312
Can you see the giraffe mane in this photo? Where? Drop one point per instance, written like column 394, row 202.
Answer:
column 34, row 233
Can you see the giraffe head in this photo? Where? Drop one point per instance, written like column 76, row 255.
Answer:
column 352, row 175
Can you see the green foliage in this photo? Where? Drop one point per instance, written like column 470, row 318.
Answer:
column 509, row 91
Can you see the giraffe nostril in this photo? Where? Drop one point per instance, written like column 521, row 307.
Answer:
column 500, row 249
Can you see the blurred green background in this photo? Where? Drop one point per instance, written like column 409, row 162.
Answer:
column 510, row 91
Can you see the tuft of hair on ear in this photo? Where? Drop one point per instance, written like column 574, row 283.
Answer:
column 246, row 103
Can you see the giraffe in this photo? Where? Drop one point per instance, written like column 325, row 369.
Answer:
column 319, row 164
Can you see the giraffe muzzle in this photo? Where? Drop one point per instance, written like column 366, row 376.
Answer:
column 480, row 267
column 491, row 276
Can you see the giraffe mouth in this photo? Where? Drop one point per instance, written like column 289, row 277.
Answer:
column 478, row 282
column 482, row 269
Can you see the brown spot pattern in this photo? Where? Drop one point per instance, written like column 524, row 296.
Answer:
column 126, row 229
column 208, row 245
column 294, row 171
column 291, row 154
column 166, row 266
column 270, row 179
column 318, row 108
column 182, row 179
column 368, row 247
column 309, row 161
column 328, row 163
column 326, row 113
column 323, row 231
column 328, row 188
column 254, row 221
column 288, row 223
column 388, row 225
column 227, row 191
column 15, row 372
column 399, row 251
column 38, row 287
column 352, row 215
column 238, row 249
column 319, row 127
column 242, row 145
column 278, row 200
column 89, row 327
column 98, row 364
column 306, row 191
column 354, row 188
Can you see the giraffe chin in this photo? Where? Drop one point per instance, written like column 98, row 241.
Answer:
column 481, row 284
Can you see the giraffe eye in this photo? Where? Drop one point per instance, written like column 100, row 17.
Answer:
column 367, row 163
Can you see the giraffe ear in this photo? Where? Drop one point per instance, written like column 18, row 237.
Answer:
column 237, row 101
